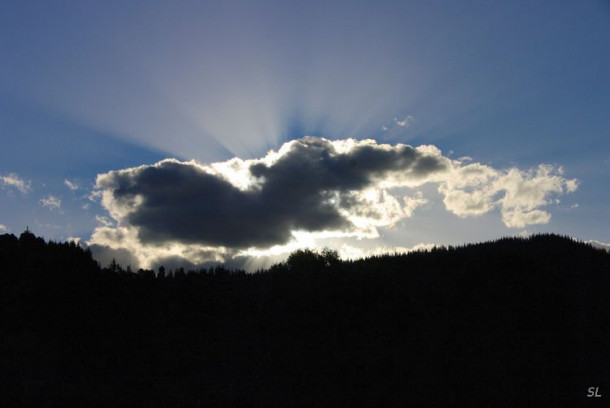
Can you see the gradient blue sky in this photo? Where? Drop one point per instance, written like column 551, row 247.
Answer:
column 87, row 87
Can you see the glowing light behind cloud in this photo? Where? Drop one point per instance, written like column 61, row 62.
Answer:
column 210, row 82
column 214, row 80
column 309, row 191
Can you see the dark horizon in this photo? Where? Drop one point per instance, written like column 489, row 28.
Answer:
column 510, row 322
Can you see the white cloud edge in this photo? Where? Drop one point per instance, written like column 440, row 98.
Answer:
column 597, row 244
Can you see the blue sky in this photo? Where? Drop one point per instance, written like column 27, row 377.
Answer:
column 87, row 88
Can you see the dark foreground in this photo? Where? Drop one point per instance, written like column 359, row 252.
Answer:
column 513, row 323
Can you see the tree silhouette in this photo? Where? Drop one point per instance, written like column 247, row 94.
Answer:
column 307, row 260
column 513, row 322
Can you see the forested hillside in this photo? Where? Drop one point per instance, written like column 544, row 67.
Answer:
column 515, row 322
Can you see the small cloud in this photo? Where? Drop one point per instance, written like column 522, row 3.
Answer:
column 406, row 122
column 3, row 228
column 575, row 205
column 13, row 181
column 71, row 185
column 76, row 240
column 397, row 124
column 50, row 202
column 571, row 185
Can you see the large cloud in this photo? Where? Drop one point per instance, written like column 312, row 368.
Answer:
column 343, row 188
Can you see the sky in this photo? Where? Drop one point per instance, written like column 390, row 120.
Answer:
column 191, row 133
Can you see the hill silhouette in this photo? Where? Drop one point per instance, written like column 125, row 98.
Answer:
column 513, row 322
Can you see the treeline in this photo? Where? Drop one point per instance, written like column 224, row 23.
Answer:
column 514, row 322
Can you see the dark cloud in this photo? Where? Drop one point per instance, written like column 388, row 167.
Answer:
column 251, row 212
column 307, row 187
column 318, row 164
